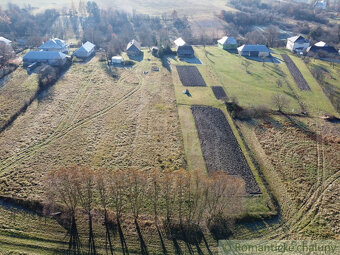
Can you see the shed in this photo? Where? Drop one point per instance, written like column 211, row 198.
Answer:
column 253, row 50
column 133, row 49
column 5, row 40
column 227, row 43
column 154, row 51
column 53, row 58
column 85, row 51
column 116, row 60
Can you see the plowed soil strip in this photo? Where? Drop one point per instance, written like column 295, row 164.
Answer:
column 219, row 92
column 190, row 76
column 295, row 72
column 220, row 148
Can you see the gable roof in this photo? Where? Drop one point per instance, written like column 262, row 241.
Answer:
column 53, row 44
column 298, row 39
column 86, row 47
column 247, row 47
column 227, row 40
column 321, row 44
column 133, row 43
column 5, row 40
column 179, row 42
column 44, row 55
column 185, row 49
column 326, row 49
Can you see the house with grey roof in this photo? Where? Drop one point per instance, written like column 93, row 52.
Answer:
column 133, row 49
column 253, row 51
column 85, row 51
column 54, row 45
column 227, row 43
column 321, row 49
column 183, row 49
column 5, row 40
column 53, row 58
column 297, row 43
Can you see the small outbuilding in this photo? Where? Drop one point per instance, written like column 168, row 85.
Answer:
column 85, row 51
column 5, row 40
column 54, row 45
column 227, row 43
column 53, row 58
column 297, row 43
column 133, row 49
column 253, row 51
column 116, row 60
column 155, row 51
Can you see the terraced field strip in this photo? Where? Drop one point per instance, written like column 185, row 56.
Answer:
column 295, row 72
column 219, row 92
column 220, row 148
column 190, row 76
column 191, row 141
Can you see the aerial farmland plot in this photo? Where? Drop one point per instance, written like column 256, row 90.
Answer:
column 220, row 148
column 295, row 72
column 190, row 76
column 219, row 92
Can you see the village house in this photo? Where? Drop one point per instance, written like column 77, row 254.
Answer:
column 85, row 51
column 53, row 58
column 183, row 49
column 321, row 49
column 227, row 43
column 253, row 51
column 297, row 43
column 133, row 49
column 5, row 40
column 54, row 45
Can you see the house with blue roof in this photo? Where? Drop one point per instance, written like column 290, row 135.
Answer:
column 54, row 45
column 53, row 58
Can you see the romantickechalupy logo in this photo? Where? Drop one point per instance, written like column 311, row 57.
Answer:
column 273, row 247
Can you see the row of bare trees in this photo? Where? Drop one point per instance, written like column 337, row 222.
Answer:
column 181, row 204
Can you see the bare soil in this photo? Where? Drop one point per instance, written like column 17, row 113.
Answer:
column 295, row 72
column 220, row 148
column 219, row 92
column 190, row 76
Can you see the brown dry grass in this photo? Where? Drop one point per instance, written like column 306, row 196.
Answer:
column 89, row 118
column 306, row 159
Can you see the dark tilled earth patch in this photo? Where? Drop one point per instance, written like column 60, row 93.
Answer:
column 295, row 72
column 219, row 92
column 190, row 76
column 219, row 146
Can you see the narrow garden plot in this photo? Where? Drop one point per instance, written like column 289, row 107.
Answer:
column 295, row 72
column 219, row 146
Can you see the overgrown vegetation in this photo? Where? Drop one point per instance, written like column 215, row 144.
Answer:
column 182, row 203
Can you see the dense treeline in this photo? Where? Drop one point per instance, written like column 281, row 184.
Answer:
column 180, row 203
column 252, row 13
column 107, row 28
column 20, row 23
